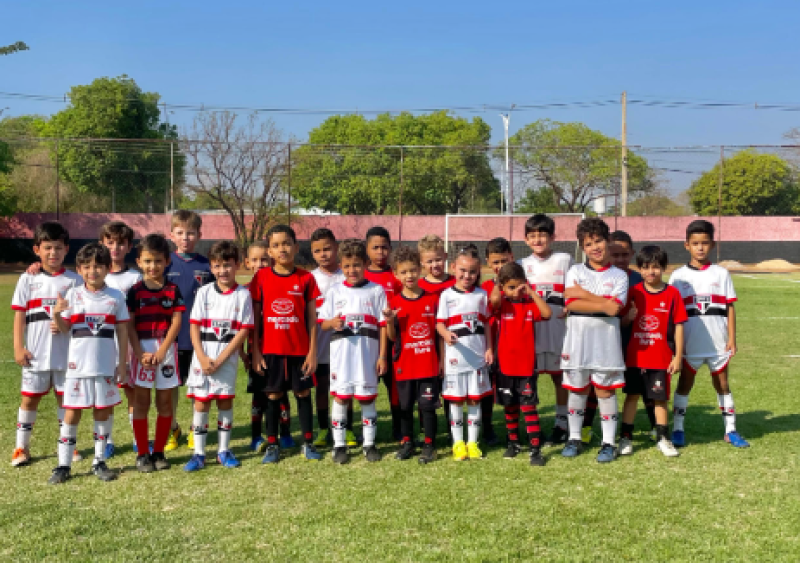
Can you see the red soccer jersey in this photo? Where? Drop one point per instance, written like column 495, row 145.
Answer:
column 654, row 326
column 283, row 299
column 516, row 350
column 437, row 287
column 385, row 278
column 416, row 337
column 488, row 287
column 152, row 309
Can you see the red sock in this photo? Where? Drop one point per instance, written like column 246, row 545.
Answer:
column 532, row 425
column 512, row 423
column 163, row 427
column 140, row 434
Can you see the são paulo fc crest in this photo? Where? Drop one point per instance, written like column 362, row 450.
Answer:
column 201, row 276
column 544, row 290
column 95, row 322
column 470, row 321
column 221, row 328
column 47, row 305
column 703, row 302
column 648, row 323
column 354, row 322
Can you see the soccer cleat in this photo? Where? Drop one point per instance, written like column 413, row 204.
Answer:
column 536, row 458
column 490, row 439
column 76, row 456
column 607, row 454
column 134, row 449
column 735, row 439
column 427, row 455
column 110, row 450
column 288, row 442
column 60, row 475
column 322, row 438
column 160, row 462
column 625, row 446
column 406, row 451
column 172, row 441
column 227, row 459
column 195, row 463
column 310, row 453
column 653, row 435
column 559, row 436
column 512, row 450
column 586, row 435
column 340, row 455
column 272, row 455
column 20, row 457
column 573, row 448
column 258, row 444
column 667, row 448
column 144, row 464
column 101, row 470
column 474, row 451
column 678, row 438
column 372, row 454
column 190, row 441
column 460, row 451
column 350, row 439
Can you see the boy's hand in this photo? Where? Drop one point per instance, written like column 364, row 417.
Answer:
column 158, row 357
column 451, row 338
column 146, row 359
column 207, row 364
column 34, row 268
column 54, row 328
column 631, row 313
column 563, row 314
column 612, row 307
column 382, row 365
column 259, row 365
column 731, row 348
column 389, row 314
column 488, row 356
column 23, row 357
column 674, row 366
column 310, row 365
column 338, row 323
column 121, row 374
column 61, row 305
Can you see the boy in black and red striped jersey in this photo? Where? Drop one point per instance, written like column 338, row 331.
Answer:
column 433, row 259
column 655, row 315
column 96, row 318
column 285, row 338
column 379, row 248
column 411, row 324
column 155, row 305
column 519, row 311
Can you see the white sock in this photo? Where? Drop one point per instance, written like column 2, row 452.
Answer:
column 100, row 440
column 609, row 413
column 473, row 423
column 66, row 444
column 130, row 419
column 561, row 417
column 110, row 428
column 457, row 422
column 576, row 407
column 60, row 414
column 339, row 424
column 200, row 424
column 224, row 424
column 25, row 420
column 679, row 405
column 728, row 412
column 369, row 414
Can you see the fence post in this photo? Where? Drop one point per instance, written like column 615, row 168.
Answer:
column 289, row 182
column 719, row 197
column 58, row 186
column 400, row 200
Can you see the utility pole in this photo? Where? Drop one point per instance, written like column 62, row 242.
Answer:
column 509, row 185
column 624, row 167
column 172, row 176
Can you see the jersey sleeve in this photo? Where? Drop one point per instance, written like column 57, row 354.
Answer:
column 312, row 292
column 325, row 313
column 619, row 292
column 19, row 302
column 248, row 319
column 179, row 306
column 381, row 305
column 678, row 308
column 198, row 310
column 730, row 292
column 537, row 314
column 442, row 313
column 570, row 281
column 483, row 308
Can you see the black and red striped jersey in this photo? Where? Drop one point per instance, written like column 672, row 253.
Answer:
column 152, row 309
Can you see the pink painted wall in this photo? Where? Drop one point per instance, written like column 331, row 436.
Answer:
column 414, row 227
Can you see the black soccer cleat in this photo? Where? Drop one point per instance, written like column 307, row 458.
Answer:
column 144, row 464
column 372, row 454
column 536, row 458
column 427, row 455
column 406, row 451
column 160, row 462
column 559, row 436
column 61, row 474
column 101, row 470
column 340, row 455
column 512, row 450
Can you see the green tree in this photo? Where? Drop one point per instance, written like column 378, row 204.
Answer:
column 752, row 184
column 348, row 167
column 13, row 48
column 136, row 176
column 576, row 163
column 538, row 200
column 657, row 204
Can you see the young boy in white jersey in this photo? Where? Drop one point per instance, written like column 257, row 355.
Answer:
column 96, row 318
column 39, row 349
column 592, row 353
column 708, row 294
column 462, row 322
column 221, row 317
column 354, row 311
column 546, row 272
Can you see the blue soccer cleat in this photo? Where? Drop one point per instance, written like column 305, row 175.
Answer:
column 678, row 438
column 273, row 454
column 109, row 452
column 227, row 459
column 311, row 453
column 288, row 442
column 572, row 449
column 195, row 463
column 735, row 439
column 607, row 454
column 258, row 444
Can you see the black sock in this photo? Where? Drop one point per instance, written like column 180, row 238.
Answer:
column 349, row 417
column 256, row 415
column 305, row 412
column 323, row 418
column 407, row 423
column 487, row 405
column 591, row 409
column 447, row 413
column 626, row 431
column 286, row 416
column 272, row 414
column 421, row 418
column 650, row 407
column 662, row 432
column 431, row 423
column 395, row 420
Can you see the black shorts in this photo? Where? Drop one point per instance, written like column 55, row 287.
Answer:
column 653, row 384
column 425, row 391
column 283, row 373
column 513, row 391
column 184, row 363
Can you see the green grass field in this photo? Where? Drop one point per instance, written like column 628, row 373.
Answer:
column 711, row 503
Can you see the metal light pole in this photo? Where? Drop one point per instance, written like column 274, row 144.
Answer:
column 506, row 118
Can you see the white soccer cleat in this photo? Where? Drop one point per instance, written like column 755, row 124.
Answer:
column 667, row 448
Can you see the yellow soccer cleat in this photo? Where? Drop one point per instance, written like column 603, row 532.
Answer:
column 586, row 435
column 172, row 441
column 474, row 451
column 190, row 441
column 460, row 451
column 322, row 438
column 350, row 439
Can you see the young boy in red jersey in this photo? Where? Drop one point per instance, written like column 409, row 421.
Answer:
column 411, row 324
column 96, row 318
column 655, row 315
column 156, row 306
column 708, row 295
column 519, row 311
column 379, row 248
column 433, row 259
column 285, row 338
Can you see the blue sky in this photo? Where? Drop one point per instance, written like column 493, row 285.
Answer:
column 427, row 54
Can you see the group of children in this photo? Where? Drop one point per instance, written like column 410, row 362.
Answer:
column 365, row 314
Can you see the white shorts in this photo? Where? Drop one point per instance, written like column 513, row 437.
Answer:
column 163, row 376
column 474, row 384
column 581, row 379
column 219, row 385
column 99, row 392
column 716, row 364
column 356, row 391
column 548, row 362
column 39, row 383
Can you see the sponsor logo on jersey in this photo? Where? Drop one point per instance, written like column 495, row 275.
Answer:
column 95, row 322
column 419, row 330
column 648, row 322
column 470, row 321
column 221, row 328
column 354, row 322
column 340, row 304
column 283, row 306
column 703, row 302
column 35, row 286
column 168, row 371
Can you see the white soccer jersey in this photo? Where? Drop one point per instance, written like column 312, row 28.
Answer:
column 355, row 348
column 592, row 341
column 548, row 277
column 220, row 316
column 325, row 281
column 465, row 314
column 706, row 293
column 36, row 296
column 94, row 316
